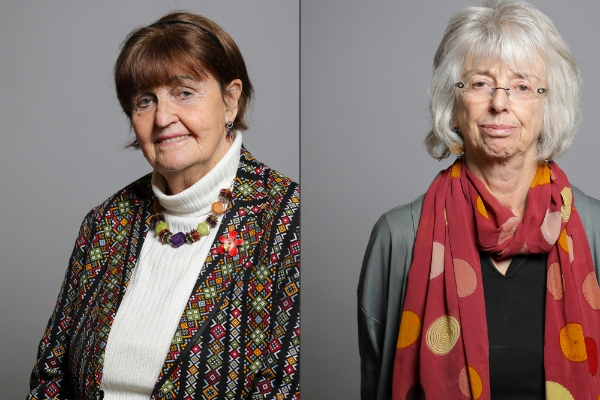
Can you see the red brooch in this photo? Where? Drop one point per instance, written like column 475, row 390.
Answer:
column 229, row 244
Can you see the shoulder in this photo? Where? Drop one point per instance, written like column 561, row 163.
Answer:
column 390, row 247
column 257, row 181
column 585, row 203
column 118, row 205
column 400, row 223
column 588, row 209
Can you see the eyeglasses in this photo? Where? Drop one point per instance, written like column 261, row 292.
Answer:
column 482, row 90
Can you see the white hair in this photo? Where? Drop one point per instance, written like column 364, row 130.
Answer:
column 514, row 33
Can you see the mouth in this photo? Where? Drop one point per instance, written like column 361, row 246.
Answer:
column 172, row 139
column 498, row 130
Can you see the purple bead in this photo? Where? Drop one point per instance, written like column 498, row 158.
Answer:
column 178, row 239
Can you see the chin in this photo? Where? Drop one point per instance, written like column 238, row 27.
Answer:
column 176, row 164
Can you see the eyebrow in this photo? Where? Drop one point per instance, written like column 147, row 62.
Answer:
column 515, row 75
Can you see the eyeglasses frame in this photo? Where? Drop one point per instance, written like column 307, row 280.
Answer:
column 461, row 85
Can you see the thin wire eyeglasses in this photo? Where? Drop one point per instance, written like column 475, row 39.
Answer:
column 482, row 91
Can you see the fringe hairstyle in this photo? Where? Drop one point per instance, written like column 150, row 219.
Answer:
column 513, row 33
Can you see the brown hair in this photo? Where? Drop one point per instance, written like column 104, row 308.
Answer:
column 150, row 55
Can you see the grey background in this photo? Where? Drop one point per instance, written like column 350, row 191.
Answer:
column 365, row 71
column 62, row 134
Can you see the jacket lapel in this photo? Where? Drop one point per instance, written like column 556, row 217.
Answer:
column 217, row 277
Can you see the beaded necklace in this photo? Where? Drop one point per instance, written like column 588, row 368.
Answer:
column 165, row 236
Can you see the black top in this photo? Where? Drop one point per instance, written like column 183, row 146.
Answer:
column 515, row 307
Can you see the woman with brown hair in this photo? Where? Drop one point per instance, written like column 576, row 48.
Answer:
column 184, row 284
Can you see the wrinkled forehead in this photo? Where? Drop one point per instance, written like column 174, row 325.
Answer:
column 532, row 71
column 494, row 69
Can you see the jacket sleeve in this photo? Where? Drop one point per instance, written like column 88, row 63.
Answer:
column 371, row 320
column 279, row 377
column 381, row 291
column 50, row 376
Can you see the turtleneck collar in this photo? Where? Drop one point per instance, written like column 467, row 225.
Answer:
column 198, row 198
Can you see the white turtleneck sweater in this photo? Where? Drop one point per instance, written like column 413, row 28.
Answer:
column 161, row 284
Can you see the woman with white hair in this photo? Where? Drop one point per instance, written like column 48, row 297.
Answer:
column 486, row 286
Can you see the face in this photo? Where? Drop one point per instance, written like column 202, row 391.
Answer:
column 180, row 127
column 496, row 128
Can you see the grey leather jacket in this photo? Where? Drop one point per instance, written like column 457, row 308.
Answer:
column 382, row 286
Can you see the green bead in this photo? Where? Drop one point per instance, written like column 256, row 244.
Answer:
column 203, row 228
column 161, row 226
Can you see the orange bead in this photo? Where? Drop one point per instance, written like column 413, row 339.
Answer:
column 218, row 207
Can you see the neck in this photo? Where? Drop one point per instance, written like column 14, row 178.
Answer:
column 508, row 180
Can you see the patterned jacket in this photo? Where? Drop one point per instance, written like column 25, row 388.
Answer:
column 239, row 336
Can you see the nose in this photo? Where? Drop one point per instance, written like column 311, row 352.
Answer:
column 165, row 112
column 500, row 99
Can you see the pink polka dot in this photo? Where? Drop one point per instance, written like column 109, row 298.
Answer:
column 463, row 382
column 524, row 249
column 508, row 229
column 591, row 291
column 466, row 279
column 470, row 383
column 551, row 226
column 554, row 281
column 437, row 260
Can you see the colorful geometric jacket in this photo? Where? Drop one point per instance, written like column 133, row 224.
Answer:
column 239, row 336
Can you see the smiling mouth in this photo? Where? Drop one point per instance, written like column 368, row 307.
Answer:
column 173, row 139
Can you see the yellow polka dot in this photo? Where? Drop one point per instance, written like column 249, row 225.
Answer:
column 563, row 242
column 542, row 175
column 476, row 384
column 556, row 391
column 572, row 342
column 443, row 334
column 410, row 329
column 455, row 171
column 481, row 207
column 565, row 210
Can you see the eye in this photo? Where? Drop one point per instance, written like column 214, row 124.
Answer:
column 479, row 85
column 184, row 93
column 522, row 88
column 143, row 102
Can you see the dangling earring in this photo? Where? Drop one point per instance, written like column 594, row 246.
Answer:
column 228, row 125
column 456, row 148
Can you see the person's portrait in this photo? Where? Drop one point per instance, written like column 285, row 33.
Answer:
column 474, row 276
column 150, row 168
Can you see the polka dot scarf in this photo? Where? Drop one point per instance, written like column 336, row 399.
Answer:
column 442, row 350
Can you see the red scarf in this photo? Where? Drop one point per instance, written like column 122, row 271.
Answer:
column 443, row 345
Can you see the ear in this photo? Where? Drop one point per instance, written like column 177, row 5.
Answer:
column 232, row 94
